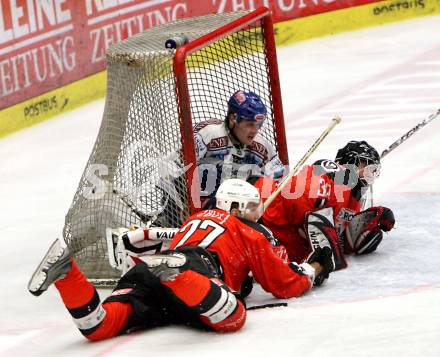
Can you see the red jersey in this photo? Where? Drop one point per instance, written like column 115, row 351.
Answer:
column 242, row 246
column 311, row 189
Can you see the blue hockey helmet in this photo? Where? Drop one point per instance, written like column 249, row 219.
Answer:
column 247, row 106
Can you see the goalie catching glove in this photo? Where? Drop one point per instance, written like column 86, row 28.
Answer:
column 364, row 232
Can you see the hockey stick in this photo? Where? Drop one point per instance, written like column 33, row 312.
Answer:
column 168, row 233
column 335, row 121
column 144, row 218
column 410, row 133
column 265, row 306
column 403, row 138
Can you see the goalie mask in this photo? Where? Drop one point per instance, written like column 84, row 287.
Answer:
column 364, row 157
column 236, row 193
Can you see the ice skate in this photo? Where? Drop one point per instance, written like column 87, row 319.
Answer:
column 55, row 264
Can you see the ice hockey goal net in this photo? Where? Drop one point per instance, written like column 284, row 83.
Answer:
column 143, row 159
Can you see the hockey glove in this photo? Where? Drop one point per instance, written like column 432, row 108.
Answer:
column 246, row 287
column 364, row 232
column 321, row 233
column 324, row 257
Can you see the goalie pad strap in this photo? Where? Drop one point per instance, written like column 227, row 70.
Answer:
column 127, row 244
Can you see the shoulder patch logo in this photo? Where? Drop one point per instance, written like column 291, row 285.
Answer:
column 259, row 149
column 218, row 143
column 329, row 166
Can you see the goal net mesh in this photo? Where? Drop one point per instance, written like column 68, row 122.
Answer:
column 135, row 171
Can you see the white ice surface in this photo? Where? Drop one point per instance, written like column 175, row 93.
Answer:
column 381, row 81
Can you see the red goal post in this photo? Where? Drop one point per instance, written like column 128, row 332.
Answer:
column 184, row 99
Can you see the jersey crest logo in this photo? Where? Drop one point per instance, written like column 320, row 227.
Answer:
column 199, row 145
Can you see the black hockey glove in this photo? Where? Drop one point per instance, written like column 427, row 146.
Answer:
column 364, row 232
column 246, row 286
column 324, row 257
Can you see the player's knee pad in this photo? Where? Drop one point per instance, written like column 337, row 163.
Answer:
column 221, row 309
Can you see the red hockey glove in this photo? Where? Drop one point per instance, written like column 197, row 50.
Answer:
column 364, row 232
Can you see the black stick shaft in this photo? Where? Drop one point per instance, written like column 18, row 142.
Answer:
column 265, row 306
column 410, row 133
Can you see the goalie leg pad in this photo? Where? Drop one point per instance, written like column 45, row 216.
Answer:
column 321, row 233
column 122, row 253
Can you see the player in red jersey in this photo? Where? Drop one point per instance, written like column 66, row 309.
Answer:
column 321, row 201
column 194, row 283
column 241, row 245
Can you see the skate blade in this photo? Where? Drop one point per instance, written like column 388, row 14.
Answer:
column 39, row 277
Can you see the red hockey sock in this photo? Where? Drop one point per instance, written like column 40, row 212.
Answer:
column 94, row 320
column 117, row 316
column 74, row 288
